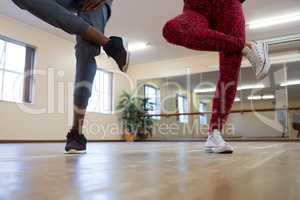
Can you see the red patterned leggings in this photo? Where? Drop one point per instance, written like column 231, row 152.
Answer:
column 213, row 25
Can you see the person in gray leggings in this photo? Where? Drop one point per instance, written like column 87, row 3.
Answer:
column 86, row 19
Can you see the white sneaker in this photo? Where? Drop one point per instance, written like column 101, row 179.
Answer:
column 216, row 144
column 258, row 56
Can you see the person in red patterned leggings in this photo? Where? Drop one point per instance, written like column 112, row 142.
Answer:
column 219, row 25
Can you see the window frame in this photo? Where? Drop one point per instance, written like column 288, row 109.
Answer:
column 28, row 81
column 200, row 116
column 177, row 107
column 157, row 99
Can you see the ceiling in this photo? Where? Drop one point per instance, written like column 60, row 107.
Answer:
column 142, row 20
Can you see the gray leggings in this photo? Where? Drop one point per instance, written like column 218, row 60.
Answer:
column 60, row 13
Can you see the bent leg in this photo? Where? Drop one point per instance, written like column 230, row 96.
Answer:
column 193, row 30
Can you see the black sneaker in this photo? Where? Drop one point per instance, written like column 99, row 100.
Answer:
column 76, row 144
column 117, row 48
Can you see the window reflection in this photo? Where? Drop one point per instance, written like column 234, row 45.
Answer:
column 259, row 106
column 102, row 93
column 182, row 107
column 152, row 94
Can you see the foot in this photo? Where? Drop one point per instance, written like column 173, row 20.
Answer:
column 258, row 56
column 76, row 144
column 117, row 48
column 216, row 144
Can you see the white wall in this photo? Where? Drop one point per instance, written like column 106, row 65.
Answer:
column 57, row 55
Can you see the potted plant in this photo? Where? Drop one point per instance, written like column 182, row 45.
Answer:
column 146, row 121
column 136, row 123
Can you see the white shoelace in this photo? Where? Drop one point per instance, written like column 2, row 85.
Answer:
column 256, row 58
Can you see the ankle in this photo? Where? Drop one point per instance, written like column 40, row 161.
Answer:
column 215, row 130
column 246, row 50
column 249, row 45
column 106, row 41
column 211, row 132
column 76, row 130
column 92, row 34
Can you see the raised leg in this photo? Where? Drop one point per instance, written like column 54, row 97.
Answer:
column 58, row 14
column 193, row 30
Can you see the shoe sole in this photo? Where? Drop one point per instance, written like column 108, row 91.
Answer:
column 221, row 150
column 125, row 45
column 264, row 71
column 73, row 151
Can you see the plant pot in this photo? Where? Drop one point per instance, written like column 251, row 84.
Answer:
column 129, row 137
column 142, row 136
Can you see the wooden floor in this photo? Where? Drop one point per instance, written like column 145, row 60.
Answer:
column 142, row 171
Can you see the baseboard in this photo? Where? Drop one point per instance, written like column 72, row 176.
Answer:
column 51, row 141
column 159, row 140
column 229, row 139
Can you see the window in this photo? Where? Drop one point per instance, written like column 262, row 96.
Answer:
column 16, row 67
column 102, row 93
column 182, row 107
column 153, row 96
column 203, row 118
